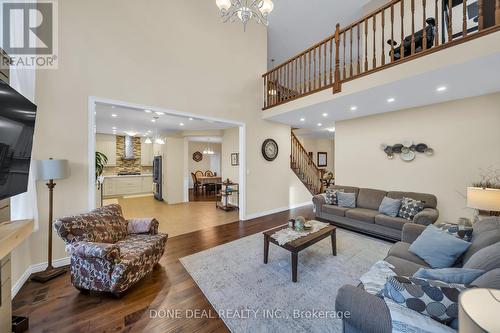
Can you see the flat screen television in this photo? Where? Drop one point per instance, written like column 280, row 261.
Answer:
column 17, row 124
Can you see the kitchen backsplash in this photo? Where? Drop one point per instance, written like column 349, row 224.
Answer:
column 127, row 166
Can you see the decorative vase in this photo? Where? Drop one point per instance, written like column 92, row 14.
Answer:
column 299, row 223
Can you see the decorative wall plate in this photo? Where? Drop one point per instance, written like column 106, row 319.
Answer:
column 197, row 156
column 408, row 156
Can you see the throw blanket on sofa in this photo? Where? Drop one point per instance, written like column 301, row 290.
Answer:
column 403, row 319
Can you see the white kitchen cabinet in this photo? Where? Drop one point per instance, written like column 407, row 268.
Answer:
column 127, row 185
column 146, row 154
column 106, row 144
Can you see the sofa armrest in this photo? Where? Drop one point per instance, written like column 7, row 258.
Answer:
column 318, row 202
column 143, row 226
column 363, row 312
column 411, row 231
column 426, row 216
column 90, row 250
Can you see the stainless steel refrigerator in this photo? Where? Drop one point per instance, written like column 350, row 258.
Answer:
column 157, row 178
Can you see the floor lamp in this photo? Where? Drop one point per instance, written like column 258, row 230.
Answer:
column 49, row 170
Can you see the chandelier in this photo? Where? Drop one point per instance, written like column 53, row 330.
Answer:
column 208, row 150
column 245, row 10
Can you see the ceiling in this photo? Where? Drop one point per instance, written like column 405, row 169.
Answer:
column 295, row 25
column 212, row 139
column 111, row 118
column 473, row 78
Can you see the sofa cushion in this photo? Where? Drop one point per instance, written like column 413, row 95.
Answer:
column 409, row 208
column 403, row 266
column 331, row 196
column 346, row 199
column 449, row 275
column 486, row 259
column 334, row 210
column 429, row 200
column 489, row 279
column 362, row 214
column 485, row 233
column 370, row 198
column 389, row 206
column 438, row 248
column 391, row 222
column 400, row 250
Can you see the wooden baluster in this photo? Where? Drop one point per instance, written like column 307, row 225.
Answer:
column 436, row 29
column 314, row 68
column 336, row 84
column 359, row 50
column 366, row 45
column 413, row 26
column 331, row 61
column 319, row 66
column 266, row 87
column 497, row 12
column 374, row 60
column 392, row 33
column 402, row 48
column 286, row 81
column 464, row 18
column 424, row 31
column 350, row 52
column 296, row 76
column 309, row 79
column 480, row 5
column 383, row 37
column 325, row 77
column 343, row 70
column 279, row 85
column 303, row 64
column 450, row 20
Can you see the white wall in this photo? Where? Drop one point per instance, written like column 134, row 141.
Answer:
column 144, row 54
column 463, row 133
column 230, row 145
column 173, row 170
column 206, row 163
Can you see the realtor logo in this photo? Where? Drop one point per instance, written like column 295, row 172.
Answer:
column 29, row 33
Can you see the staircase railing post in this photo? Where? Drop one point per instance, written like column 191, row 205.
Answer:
column 497, row 12
column 336, row 84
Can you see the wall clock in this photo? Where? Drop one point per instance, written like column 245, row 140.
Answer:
column 197, row 156
column 270, row 149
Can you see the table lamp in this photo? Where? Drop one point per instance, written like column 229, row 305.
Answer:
column 483, row 199
column 50, row 170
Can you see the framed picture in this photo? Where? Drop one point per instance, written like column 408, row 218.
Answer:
column 235, row 159
column 322, row 159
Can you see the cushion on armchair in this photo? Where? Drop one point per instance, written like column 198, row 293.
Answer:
column 143, row 226
column 96, row 250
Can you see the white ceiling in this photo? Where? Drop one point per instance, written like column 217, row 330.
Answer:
column 295, row 25
column 213, row 139
column 138, row 121
column 473, row 78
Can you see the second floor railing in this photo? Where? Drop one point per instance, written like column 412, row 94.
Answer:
column 397, row 32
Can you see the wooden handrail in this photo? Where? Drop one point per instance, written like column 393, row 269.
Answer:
column 304, row 167
column 319, row 67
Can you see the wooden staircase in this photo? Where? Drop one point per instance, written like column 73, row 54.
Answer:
column 304, row 167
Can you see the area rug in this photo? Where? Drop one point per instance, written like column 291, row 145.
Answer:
column 250, row 296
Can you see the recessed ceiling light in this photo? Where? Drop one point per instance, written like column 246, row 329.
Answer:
column 302, row 119
column 114, row 128
column 147, row 111
column 181, row 124
column 320, row 124
column 112, row 106
column 391, row 100
column 190, row 118
column 332, row 129
column 441, row 89
column 354, row 108
column 114, row 115
column 325, row 114
column 131, row 133
column 160, row 113
column 153, row 120
column 149, row 131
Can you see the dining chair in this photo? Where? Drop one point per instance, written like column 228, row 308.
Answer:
column 196, row 183
column 209, row 173
column 198, row 173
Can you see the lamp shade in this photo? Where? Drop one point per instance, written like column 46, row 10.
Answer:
column 483, row 198
column 52, row 169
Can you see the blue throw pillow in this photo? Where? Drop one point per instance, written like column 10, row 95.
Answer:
column 390, row 206
column 438, row 248
column 347, row 200
column 450, row 275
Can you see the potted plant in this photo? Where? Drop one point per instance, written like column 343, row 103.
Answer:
column 100, row 161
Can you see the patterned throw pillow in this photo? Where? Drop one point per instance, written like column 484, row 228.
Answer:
column 435, row 299
column 331, row 196
column 453, row 229
column 410, row 208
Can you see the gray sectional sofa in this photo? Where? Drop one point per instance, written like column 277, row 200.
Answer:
column 365, row 217
column 369, row 313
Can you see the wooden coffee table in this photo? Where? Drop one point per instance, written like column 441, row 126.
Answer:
column 299, row 244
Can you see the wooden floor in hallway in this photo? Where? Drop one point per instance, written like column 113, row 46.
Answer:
column 176, row 219
column 57, row 306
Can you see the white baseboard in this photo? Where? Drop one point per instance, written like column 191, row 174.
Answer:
column 35, row 268
column 276, row 210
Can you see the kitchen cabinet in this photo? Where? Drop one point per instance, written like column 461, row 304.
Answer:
column 127, row 185
column 146, row 154
column 106, row 144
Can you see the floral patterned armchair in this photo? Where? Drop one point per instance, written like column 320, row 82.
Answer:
column 109, row 253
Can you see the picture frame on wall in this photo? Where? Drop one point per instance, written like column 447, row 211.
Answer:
column 322, row 159
column 235, row 159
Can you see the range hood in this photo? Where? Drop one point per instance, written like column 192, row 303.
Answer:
column 129, row 149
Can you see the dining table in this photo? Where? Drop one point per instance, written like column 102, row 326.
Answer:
column 209, row 179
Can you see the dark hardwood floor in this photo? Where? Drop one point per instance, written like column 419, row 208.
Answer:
column 201, row 196
column 57, row 306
